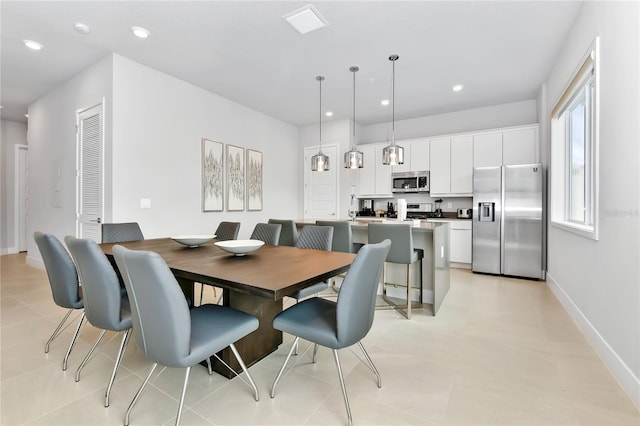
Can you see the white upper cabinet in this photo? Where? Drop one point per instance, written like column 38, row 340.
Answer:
column 374, row 179
column 367, row 174
column 520, row 146
column 419, row 155
column 440, row 158
column 487, row 149
column 383, row 173
column 416, row 156
column 506, row 147
column 462, row 165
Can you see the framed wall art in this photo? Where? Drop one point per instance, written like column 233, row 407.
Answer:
column 235, row 178
column 254, row 180
column 212, row 175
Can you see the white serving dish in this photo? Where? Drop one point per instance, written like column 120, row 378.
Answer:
column 240, row 247
column 192, row 240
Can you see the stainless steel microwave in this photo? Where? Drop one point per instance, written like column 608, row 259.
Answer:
column 410, row 182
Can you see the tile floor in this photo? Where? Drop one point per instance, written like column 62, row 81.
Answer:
column 500, row 352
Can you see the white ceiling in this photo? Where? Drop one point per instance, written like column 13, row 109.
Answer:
column 245, row 51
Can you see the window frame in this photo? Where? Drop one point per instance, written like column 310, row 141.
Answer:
column 584, row 83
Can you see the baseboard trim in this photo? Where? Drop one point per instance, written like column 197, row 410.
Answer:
column 36, row 262
column 623, row 374
column 8, row 250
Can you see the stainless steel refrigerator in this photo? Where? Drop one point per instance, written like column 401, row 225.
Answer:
column 507, row 220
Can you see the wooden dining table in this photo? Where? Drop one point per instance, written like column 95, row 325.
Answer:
column 255, row 283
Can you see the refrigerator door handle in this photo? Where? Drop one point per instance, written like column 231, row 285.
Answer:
column 502, row 217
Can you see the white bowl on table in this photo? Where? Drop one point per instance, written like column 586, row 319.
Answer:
column 192, row 240
column 239, row 247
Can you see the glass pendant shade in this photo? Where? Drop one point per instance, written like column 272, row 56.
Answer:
column 320, row 162
column 393, row 154
column 353, row 159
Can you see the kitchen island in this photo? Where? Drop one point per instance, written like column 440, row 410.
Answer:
column 433, row 238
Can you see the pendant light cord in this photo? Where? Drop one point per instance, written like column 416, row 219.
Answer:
column 393, row 59
column 353, row 141
column 320, row 78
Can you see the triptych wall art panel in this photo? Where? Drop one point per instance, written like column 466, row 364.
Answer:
column 212, row 178
column 238, row 187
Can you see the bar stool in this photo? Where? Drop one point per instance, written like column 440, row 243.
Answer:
column 342, row 240
column 401, row 252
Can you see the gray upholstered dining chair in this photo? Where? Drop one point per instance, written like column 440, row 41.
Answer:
column 267, row 232
column 340, row 324
column 342, row 239
column 227, row 231
column 317, row 238
column 289, row 233
column 121, row 232
column 402, row 252
column 104, row 304
column 65, row 287
column 166, row 330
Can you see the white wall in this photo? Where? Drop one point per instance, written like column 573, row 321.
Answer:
column 599, row 281
column 491, row 117
column 52, row 151
column 12, row 133
column 158, row 125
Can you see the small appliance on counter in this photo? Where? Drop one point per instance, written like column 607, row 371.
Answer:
column 438, row 212
column 391, row 212
column 366, row 208
column 464, row 213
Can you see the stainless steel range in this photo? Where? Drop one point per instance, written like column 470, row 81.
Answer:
column 420, row 211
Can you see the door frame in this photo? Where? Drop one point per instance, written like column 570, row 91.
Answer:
column 100, row 104
column 17, row 201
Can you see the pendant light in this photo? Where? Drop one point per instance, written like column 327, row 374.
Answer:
column 393, row 154
column 320, row 162
column 353, row 159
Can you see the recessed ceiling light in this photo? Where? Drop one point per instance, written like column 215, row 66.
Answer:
column 306, row 19
column 81, row 28
column 384, row 102
column 329, row 113
column 140, row 32
column 26, row 115
column 33, row 45
column 458, row 87
column 1, row 107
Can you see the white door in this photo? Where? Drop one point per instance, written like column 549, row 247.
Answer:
column 21, row 197
column 321, row 188
column 89, row 175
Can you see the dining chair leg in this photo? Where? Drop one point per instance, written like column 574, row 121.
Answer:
column 184, row 392
column 209, row 369
column 123, row 347
column 73, row 341
column 244, row 368
column 373, row 367
column 315, row 352
column 137, row 395
column 344, row 389
column 55, row 332
column 275, row 382
column 88, row 355
column 409, row 291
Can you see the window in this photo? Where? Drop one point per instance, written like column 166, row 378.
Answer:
column 574, row 148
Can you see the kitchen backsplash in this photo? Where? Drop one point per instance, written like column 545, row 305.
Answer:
column 455, row 203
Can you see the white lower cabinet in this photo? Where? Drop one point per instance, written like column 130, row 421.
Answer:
column 459, row 242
